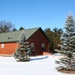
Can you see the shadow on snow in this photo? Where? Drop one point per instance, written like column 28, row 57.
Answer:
column 38, row 58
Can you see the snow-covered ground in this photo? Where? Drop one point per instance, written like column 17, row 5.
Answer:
column 39, row 65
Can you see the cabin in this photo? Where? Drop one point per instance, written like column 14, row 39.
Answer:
column 35, row 36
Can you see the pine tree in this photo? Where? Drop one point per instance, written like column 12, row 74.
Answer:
column 23, row 51
column 54, row 37
column 68, row 45
column 14, row 29
column 21, row 28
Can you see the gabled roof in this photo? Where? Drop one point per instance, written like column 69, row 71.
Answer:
column 15, row 35
column 30, row 32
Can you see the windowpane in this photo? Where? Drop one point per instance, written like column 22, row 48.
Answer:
column 32, row 46
column 43, row 46
column 2, row 45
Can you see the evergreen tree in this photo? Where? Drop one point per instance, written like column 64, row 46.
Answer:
column 54, row 36
column 14, row 29
column 23, row 51
column 68, row 45
column 49, row 33
column 21, row 28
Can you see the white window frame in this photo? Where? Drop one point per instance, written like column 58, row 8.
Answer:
column 2, row 45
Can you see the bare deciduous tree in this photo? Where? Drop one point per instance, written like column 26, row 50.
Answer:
column 5, row 26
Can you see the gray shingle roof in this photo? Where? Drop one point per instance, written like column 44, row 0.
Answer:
column 15, row 35
column 30, row 32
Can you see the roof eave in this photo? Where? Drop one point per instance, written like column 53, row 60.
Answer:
column 8, row 41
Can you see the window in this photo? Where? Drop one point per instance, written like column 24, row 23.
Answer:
column 32, row 46
column 43, row 46
column 8, row 37
column 2, row 45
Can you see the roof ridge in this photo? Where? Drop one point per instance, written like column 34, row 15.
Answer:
column 12, row 31
column 33, row 28
column 17, row 34
column 21, row 30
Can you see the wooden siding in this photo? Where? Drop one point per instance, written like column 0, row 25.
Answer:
column 9, row 48
column 38, row 38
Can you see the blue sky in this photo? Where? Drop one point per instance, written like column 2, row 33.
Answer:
column 36, row 13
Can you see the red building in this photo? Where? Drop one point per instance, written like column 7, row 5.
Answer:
column 35, row 36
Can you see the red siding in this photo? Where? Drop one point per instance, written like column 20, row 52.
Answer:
column 38, row 38
column 9, row 48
